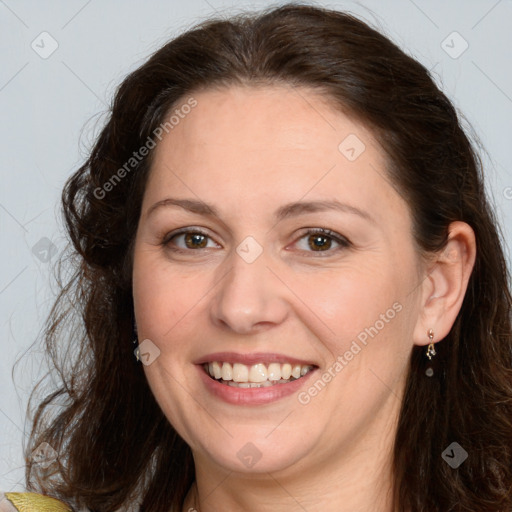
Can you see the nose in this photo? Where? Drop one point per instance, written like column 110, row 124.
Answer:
column 249, row 298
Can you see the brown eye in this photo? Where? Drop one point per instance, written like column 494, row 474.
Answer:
column 318, row 242
column 321, row 240
column 189, row 240
column 195, row 240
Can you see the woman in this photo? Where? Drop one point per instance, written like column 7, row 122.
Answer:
column 285, row 215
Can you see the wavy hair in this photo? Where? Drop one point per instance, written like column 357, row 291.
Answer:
column 115, row 445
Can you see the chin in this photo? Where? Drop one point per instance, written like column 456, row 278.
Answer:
column 255, row 453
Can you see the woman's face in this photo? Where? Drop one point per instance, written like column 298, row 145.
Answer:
column 271, row 244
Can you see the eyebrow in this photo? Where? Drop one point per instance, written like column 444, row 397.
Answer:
column 192, row 205
column 301, row 207
column 284, row 212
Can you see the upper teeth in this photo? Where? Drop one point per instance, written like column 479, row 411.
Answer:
column 260, row 372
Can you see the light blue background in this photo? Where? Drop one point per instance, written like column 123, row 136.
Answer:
column 48, row 105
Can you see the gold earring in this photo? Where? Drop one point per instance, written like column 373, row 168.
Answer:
column 431, row 351
column 137, row 350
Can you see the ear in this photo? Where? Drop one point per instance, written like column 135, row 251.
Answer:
column 445, row 284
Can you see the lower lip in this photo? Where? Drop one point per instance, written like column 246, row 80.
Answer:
column 252, row 396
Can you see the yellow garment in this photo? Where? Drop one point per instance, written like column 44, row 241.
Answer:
column 33, row 502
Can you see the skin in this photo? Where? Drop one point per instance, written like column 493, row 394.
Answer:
column 248, row 151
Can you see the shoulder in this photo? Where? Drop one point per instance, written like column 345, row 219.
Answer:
column 30, row 502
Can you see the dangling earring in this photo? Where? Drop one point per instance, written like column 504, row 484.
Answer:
column 136, row 340
column 431, row 351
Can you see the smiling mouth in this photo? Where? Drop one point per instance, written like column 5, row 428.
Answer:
column 257, row 375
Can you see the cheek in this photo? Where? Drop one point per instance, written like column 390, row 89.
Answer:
column 349, row 299
column 169, row 302
column 157, row 298
column 363, row 313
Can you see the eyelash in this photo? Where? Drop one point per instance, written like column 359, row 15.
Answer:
column 343, row 242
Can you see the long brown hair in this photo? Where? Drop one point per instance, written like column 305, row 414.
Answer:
column 113, row 441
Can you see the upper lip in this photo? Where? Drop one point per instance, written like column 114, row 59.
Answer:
column 251, row 359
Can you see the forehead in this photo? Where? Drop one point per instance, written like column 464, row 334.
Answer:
column 275, row 142
column 266, row 117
